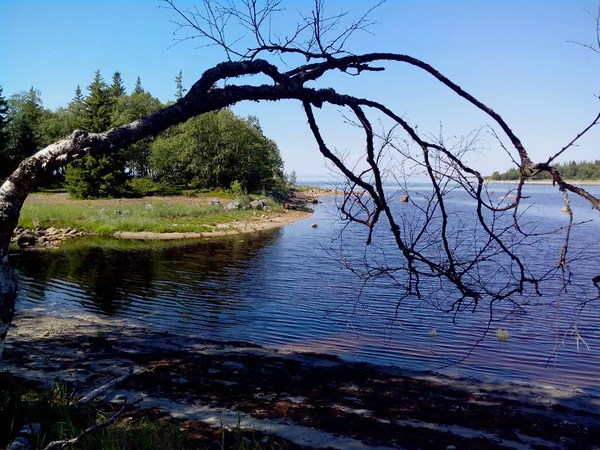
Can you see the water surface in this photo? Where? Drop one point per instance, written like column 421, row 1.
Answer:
column 285, row 288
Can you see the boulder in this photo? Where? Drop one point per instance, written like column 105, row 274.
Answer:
column 404, row 199
column 258, row 204
column 26, row 240
column 232, row 206
column 214, row 202
column 314, row 225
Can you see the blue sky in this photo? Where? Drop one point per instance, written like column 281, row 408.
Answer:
column 511, row 54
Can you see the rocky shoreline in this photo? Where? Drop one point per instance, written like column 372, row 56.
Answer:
column 295, row 206
column 43, row 237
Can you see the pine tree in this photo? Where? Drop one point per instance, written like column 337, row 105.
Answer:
column 117, row 88
column 97, row 106
column 138, row 87
column 4, row 121
column 103, row 176
column 179, row 90
column 77, row 110
column 23, row 137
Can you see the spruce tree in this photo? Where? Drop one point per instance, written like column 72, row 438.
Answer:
column 4, row 121
column 138, row 87
column 77, row 110
column 97, row 106
column 117, row 88
column 103, row 176
column 179, row 90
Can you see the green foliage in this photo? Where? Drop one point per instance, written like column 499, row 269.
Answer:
column 214, row 150
column 126, row 109
column 143, row 186
column 179, row 90
column 117, row 88
column 101, row 177
column 572, row 170
column 138, row 89
column 4, row 121
column 23, row 131
column 97, row 106
column 236, row 188
column 104, row 176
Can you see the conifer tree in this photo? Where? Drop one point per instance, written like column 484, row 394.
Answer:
column 4, row 121
column 97, row 106
column 117, row 88
column 138, row 87
column 76, row 110
column 179, row 90
column 96, row 177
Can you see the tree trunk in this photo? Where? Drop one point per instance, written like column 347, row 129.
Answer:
column 8, row 293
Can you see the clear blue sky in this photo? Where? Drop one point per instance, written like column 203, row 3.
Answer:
column 512, row 54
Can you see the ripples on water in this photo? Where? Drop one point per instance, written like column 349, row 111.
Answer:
column 283, row 288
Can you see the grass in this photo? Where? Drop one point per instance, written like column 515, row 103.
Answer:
column 157, row 215
column 137, row 429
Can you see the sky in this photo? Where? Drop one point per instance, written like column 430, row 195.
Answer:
column 513, row 55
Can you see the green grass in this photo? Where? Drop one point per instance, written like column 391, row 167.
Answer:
column 136, row 429
column 106, row 220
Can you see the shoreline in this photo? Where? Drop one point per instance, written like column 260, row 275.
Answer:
column 545, row 182
column 295, row 208
column 230, row 228
column 313, row 400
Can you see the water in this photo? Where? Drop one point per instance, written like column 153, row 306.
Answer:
column 284, row 288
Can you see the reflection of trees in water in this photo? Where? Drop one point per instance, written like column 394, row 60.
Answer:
column 207, row 273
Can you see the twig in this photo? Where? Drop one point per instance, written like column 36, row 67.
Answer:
column 66, row 442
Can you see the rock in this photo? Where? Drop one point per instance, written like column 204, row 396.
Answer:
column 51, row 231
column 214, row 202
column 314, row 225
column 232, row 206
column 26, row 240
column 315, row 201
column 511, row 196
column 564, row 209
column 258, row 204
column 451, row 447
column 102, row 212
column 149, row 207
column 404, row 199
column 116, row 212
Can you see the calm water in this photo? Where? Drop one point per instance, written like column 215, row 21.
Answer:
column 285, row 288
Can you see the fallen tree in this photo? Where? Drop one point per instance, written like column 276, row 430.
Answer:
column 458, row 270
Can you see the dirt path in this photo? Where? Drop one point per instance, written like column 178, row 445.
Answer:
column 314, row 401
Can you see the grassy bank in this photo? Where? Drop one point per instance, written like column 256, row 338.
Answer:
column 152, row 214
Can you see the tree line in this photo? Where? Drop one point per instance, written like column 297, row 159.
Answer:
column 572, row 170
column 211, row 151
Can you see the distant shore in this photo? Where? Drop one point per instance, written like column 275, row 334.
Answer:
column 546, row 182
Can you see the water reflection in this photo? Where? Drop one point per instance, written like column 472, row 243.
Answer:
column 282, row 288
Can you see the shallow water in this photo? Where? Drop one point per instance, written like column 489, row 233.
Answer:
column 284, row 288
